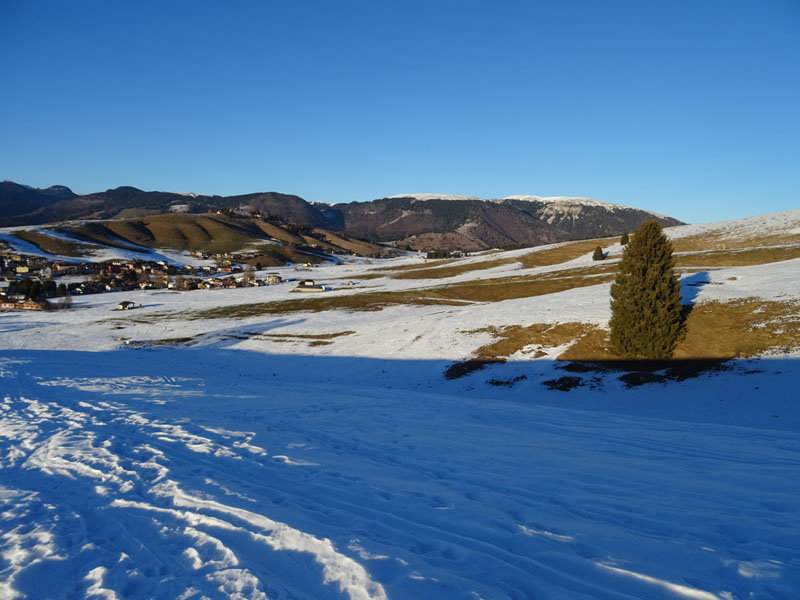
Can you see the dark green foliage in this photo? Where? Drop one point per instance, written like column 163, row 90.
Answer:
column 624, row 239
column 598, row 254
column 645, row 297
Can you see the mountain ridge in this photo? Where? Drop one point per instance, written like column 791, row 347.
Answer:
column 413, row 221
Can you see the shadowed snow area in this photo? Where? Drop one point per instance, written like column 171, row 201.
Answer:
column 223, row 480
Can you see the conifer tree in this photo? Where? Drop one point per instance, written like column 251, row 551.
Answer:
column 598, row 254
column 624, row 239
column 645, row 297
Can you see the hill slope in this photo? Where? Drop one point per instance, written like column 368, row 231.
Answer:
column 416, row 221
column 16, row 199
column 431, row 221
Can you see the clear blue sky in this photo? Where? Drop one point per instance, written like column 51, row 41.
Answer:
column 685, row 107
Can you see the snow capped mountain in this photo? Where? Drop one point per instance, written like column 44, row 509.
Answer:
column 555, row 201
column 424, row 197
column 571, row 200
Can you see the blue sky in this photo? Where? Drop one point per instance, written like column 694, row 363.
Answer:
column 689, row 108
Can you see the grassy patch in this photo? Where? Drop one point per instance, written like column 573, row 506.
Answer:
column 425, row 265
column 450, row 271
column 492, row 290
column 593, row 345
column 278, row 233
column 514, row 338
column 741, row 328
column 303, row 336
column 161, row 342
column 737, row 258
column 715, row 331
column 511, row 288
column 354, row 246
column 563, row 253
column 373, row 301
column 98, row 233
column 53, row 245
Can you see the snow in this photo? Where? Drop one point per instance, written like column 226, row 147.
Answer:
column 429, row 196
column 559, row 203
column 780, row 223
column 99, row 252
column 565, row 200
column 251, row 466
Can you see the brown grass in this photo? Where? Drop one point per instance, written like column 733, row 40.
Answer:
column 451, row 271
column 52, row 245
column 593, row 345
column 302, row 336
column 425, row 265
column 278, row 233
column 373, row 301
column 560, row 254
column 737, row 258
column 715, row 331
column 741, row 328
column 491, row 290
column 514, row 338
column 355, row 246
column 512, row 288
column 100, row 234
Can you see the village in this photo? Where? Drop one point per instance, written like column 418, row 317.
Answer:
column 30, row 282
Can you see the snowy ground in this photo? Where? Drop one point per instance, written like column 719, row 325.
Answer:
column 250, row 466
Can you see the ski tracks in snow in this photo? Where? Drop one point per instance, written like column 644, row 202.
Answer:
column 91, row 490
column 169, row 487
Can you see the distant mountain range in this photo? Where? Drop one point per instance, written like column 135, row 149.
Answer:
column 415, row 221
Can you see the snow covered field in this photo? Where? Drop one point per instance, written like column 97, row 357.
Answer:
column 257, row 463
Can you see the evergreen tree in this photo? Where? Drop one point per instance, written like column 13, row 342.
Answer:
column 598, row 254
column 645, row 297
column 624, row 239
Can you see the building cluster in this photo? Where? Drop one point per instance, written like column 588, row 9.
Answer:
column 28, row 282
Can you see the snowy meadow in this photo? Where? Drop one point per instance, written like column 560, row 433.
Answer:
column 248, row 443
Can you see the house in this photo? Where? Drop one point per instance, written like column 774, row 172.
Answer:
column 35, row 261
column 28, row 304
column 272, row 279
column 308, row 285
